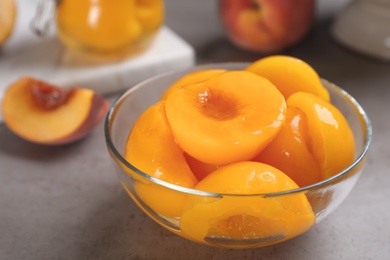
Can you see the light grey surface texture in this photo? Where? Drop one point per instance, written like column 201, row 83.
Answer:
column 66, row 202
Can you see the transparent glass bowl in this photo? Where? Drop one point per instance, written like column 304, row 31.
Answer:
column 206, row 217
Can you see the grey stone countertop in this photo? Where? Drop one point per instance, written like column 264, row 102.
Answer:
column 66, row 202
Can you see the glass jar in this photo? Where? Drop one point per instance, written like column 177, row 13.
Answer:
column 107, row 27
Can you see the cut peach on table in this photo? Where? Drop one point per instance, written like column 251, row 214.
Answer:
column 152, row 149
column 47, row 114
column 228, row 118
column 192, row 78
column 290, row 150
column 332, row 141
column 254, row 216
column 290, row 75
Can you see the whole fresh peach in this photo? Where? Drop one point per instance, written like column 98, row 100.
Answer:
column 266, row 26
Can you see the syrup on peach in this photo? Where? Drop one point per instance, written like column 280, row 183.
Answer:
column 191, row 78
column 152, row 149
column 331, row 138
column 228, row 118
column 272, row 219
column 290, row 150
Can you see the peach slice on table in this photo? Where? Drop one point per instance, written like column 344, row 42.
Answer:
column 290, row 75
column 331, row 138
column 258, row 218
column 47, row 114
column 229, row 118
column 152, row 149
column 192, row 78
column 289, row 151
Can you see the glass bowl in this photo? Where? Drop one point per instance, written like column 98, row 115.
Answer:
column 228, row 220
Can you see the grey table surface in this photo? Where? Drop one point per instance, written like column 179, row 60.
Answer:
column 66, row 202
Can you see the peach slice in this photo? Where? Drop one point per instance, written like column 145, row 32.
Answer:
column 289, row 75
column 47, row 114
column 152, row 149
column 229, row 118
column 329, row 131
column 257, row 218
column 192, row 78
column 289, row 151
column 7, row 19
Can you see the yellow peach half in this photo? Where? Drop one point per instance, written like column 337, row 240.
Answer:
column 43, row 113
column 289, row 151
column 192, row 78
column 290, row 75
column 329, row 132
column 229, row 118
column 261, row 219
column 152, row 149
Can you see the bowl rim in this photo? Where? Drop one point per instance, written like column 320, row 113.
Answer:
column 357, row 107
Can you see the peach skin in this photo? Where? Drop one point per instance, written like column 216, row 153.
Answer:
column 266, row 25
column 192, row 78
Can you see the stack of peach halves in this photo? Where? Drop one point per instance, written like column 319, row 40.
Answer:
column 273, row 116
column 267, row 128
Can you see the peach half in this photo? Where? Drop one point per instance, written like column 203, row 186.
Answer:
column 152, row 149
column 228, row 118
column 329, row 133
column 290, row 75
column 250, row 217
column 47, row 114
column 192, row 78
column 289, row 151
